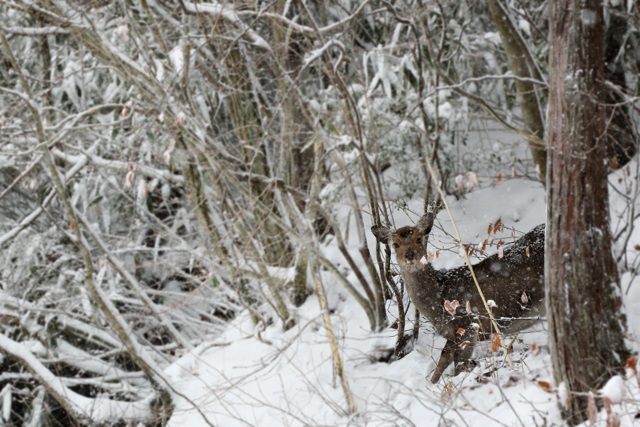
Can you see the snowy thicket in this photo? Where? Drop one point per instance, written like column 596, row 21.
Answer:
column 188, row 183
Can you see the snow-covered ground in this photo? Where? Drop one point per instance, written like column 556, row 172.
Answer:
column 287, row 378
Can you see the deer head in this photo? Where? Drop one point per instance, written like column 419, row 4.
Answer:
column 409, row 242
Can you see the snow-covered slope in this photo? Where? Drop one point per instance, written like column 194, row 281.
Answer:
column 278, row 378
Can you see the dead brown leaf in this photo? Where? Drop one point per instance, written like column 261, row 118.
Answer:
column 495, row 342
column 534, row 349
column 545, row 386
column 614, row 163
column 451, row 306
column 606, row 402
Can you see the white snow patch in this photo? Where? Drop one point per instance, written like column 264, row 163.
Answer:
column 615, row 389
column 525, row 26
column 563, row 395
column 237, row 380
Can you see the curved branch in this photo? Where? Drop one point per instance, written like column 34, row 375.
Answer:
column 97, row 410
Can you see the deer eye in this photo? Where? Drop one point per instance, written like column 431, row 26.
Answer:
column 396, row 246
column 419, row 240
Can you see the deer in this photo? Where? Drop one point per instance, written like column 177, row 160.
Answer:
column 513, row 279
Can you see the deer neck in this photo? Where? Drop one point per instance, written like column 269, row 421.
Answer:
column 423, row 287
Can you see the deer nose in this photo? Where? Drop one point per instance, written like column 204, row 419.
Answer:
column 410, row 256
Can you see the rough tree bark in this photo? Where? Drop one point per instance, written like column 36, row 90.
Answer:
column 585, row 332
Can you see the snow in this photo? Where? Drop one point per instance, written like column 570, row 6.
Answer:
column 26, row 31
column 176, row 56
column 525, row 26
column 123, row 32
column 563, row 395
column 288, row 378
column 291, row 382
column 239, row 379
column 250, row 376
column 159, row 72
column 6, row 402
column 317, row 53
column 493, row 38
column 424, row 261
column 99, row 409
column 614, row 389
column 217, row 9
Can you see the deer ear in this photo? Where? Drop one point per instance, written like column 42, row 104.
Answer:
column 425, row 223
column 383, row 234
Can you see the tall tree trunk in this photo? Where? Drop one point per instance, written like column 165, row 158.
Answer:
column 519, row 60
column 585, row 333
column 297, row 165
column 245, row 117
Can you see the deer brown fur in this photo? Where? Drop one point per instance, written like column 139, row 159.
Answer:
column 514, row 282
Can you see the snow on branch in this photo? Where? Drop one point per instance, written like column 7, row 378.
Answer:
column 44, row 31
column 502, row 77
column 89, row 363
column 133, row 282
column 216, row 9
column 116, row 165
column 10, row 305
column 315, row 54
column 28, row 220
column 99, row 410
column 305, row 29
